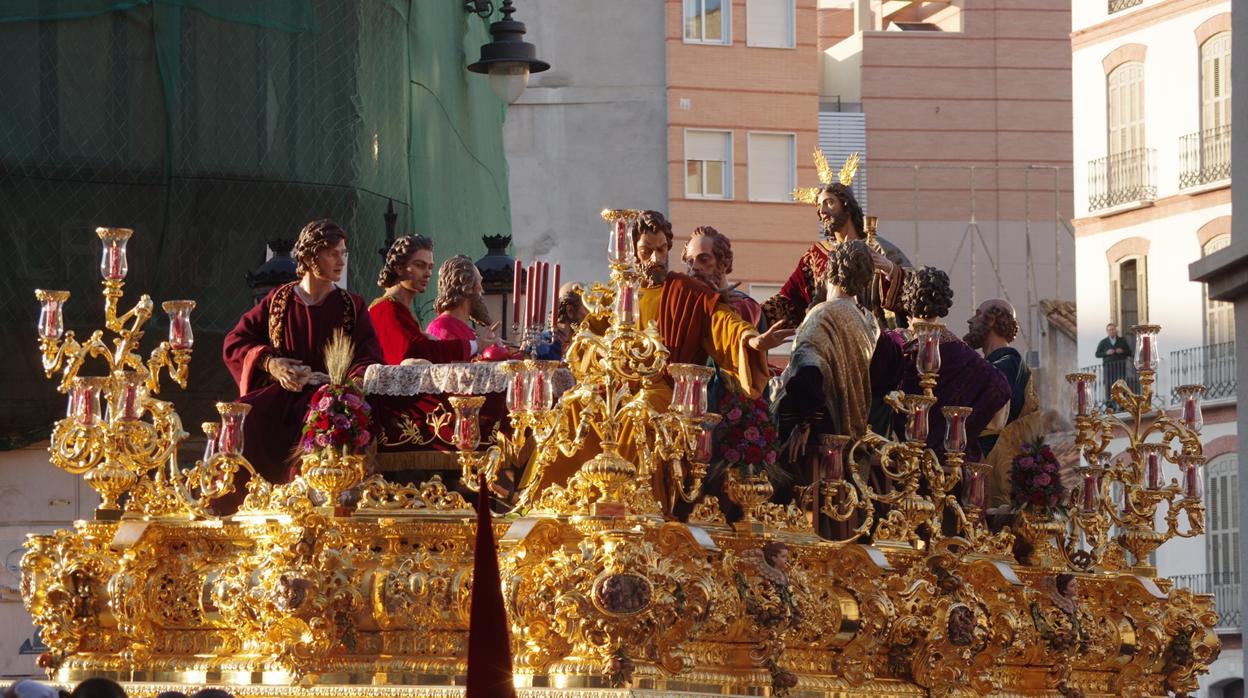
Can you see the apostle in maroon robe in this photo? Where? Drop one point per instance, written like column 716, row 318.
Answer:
column 966, row 379
column 406, row 273
column 276, row 352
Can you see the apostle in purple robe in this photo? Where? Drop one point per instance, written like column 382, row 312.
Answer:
column 966, row 379
column 276, row 353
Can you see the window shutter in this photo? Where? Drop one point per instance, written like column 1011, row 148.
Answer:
column 1115, row 283
column 769, row 23
column 1141, row 287
column 772, row 169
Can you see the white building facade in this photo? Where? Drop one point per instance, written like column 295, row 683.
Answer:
column 1152, row 138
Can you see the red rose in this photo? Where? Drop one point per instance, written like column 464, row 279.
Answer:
column 753, row 455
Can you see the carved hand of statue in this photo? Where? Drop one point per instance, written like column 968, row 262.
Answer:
column 289, row 373
column 772, row 338
column 487, row 336
column 795, row 448
column 883, row 264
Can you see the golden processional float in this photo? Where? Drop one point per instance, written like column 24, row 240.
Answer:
column 292, row 598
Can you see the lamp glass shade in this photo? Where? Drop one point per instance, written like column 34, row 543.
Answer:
column 508, row 80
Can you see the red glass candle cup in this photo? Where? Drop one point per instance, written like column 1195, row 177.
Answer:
column 517, row 384
column 832, row 457
column 113, row 263
column 626, row 301
column 1146, row 349
column 917, row 420
column 955, row 428
column 233, row 415
column 1091, row 489
column 180, row 335
column 1081, row 388
column 467, row 421
column 51, row 320
column 84, row 399
column 1192, row 415
column 975, row 491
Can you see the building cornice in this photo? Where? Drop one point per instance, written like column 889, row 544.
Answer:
column 1161, row 208
column 1120, row 26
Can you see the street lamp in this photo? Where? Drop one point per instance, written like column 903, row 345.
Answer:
column 508, row 59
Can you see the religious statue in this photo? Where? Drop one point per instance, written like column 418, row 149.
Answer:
column 695, row 325
column 276, row 352
column 840, row 219
column 708, row 258
column 991, row 330
column 826, row 388
column 406, row 272
column 461, row 300
column 966, row 379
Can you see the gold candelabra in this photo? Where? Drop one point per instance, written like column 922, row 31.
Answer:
column 911, row 501
column 1115, row 505
column 137, row 434
column 618, row 373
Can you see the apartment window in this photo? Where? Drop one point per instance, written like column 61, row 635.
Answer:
column 708, row 164
column 707, row 21
column 772, row 166
column 1126, row 108
column 1219, row 315
column 1222, row 532
column 1215, row 82
column 1128, row 292
column 769, row 23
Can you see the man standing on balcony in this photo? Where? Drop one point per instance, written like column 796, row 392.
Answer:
column 1113, row 351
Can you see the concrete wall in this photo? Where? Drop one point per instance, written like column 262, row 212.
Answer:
column 590, row 132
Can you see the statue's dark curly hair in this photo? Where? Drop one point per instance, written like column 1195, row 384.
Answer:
column 652, row 222
column 1000, row 320
column 850, row 266
column 927, row 293
column 848, row 202
column 720, row 244
column 397, row 256
column 315, row 236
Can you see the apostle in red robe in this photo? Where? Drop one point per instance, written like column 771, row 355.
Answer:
column 276, row 352
column 406, row 273
column 840, row 219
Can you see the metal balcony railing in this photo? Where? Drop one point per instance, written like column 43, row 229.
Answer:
column 1225, row 590
column 1106, row 374
column 1121, row 178
column 1120, row 5
column 1212, row 365
column 1204, row 157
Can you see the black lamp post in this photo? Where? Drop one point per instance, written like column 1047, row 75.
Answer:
column 508, row 58
column 277, row 270
column 497, row 271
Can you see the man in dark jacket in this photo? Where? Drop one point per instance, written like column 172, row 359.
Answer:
column 1114, row 352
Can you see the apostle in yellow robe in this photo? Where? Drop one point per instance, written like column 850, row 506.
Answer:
column 695, row 324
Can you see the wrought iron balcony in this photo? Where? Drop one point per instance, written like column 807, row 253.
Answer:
column 1120, row 5
column 1225, row 590
column 1204, row 157
column 1106, row 374
column 1212, row 365
column 1121, row 178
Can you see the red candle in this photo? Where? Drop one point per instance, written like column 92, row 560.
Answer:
column 554, row 299
column 541, row 314
column 705, row 443
column 619, row 241
column 1081, row 397
column 1153, row 464
column 1191, row 479
column 179, row 332
column 531, row 277
column 1146, row 351
column 1090, row 492
column 467, row 434
column 515, row 293
column 537, row 391
column 229, row 438
column 975, row 495
column 833, row 464
column 929, row 353
column 114, row 263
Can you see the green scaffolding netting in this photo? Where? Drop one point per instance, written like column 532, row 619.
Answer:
column 211, row 126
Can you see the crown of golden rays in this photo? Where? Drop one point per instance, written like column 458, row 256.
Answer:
column 810, row 195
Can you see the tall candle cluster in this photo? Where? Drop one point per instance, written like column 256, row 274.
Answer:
column 541, row 298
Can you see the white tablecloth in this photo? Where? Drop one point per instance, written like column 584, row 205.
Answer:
column 458, row 379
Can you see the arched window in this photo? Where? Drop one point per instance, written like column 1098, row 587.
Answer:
column 1128, row 292
column 1126, row 107
column 1215, row 82
column 1219, row 315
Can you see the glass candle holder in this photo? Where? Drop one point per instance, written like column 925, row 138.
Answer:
column 626, row 301
column 704, row 445
column 689, row 388
column 517, row 385
column 1191, row 475
column 467, row 421
column 680, row 390
column 619, row 242
column 180, row 335
column 1146, row 349
column 918, row 408
column 84, row 399
column 1081, row 392
column 113, row 264
column 832, row 457
column 1090, row 500
column 927, row 346
column 1190, row 398
column 955, row 428
column 975, row 492
column 1151, row 460
column 233, row 415
column 212, row 432
column 126, row 399
column 51, row 307
column 540, row 388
